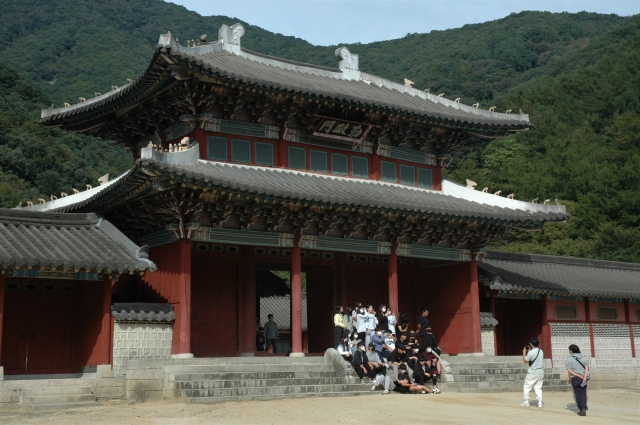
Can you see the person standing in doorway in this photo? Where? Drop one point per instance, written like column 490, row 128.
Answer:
column 578, row 375
column 271, row 334
column 535, row 375
column 338, row 326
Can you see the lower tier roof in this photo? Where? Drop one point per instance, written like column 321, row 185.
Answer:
column 305, row 187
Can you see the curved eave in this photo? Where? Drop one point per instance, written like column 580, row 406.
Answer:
column 93, row 113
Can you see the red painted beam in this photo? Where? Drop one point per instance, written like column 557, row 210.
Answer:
column 296, row 301
column 627, row 315
column 185, row 297
column 475, row 308
column 393, row 283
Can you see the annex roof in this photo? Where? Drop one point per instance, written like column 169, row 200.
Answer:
column 546, row 274
column 310, row 187
column 227, row 60
column 68, row 241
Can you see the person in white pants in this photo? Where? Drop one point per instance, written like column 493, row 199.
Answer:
column 535, row 375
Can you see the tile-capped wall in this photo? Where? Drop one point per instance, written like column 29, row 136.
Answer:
column 565, row 334
column 613, row 345
column 140, row 340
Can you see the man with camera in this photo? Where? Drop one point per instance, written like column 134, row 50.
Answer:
column 535, row 357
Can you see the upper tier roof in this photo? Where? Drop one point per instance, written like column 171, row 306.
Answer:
column 225, row 59
column 68, row 241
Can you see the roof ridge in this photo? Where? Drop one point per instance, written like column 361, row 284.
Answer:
column 556, row 259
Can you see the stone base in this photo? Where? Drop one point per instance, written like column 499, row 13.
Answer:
column 251, row 354
column 296, row 355
column 182, row 356
column 104, row 371
column 1, row 373
column 469, row 354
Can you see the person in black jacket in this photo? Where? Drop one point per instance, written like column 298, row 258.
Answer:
column 361, row 364
column 422, row 373
column 397, row 358
column 381, row 315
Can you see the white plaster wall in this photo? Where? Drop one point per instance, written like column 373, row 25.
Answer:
column 140, row 340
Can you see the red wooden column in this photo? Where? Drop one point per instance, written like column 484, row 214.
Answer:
column 296, row 303
column 474, row 298
column 1, row 311
column 492, row 307
column 249, row 296
column 587, row 310
column 546, row 328
column 627, row 315
column 393, row 283
column 107, row 337
column 184, row 283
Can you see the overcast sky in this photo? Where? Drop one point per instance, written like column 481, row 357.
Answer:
column 329, row 22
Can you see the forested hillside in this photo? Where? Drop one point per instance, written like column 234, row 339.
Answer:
column 577, row 75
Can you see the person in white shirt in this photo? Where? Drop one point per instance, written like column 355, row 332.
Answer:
column 361, row 323
column 343, row 349
column 372, row 322
column 535, row 375
column 391, row 321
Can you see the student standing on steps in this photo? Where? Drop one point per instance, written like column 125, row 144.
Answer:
column 535, row 375
column 338, row 326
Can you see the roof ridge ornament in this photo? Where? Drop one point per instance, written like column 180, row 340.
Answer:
column 349, row 63
column 231, row 35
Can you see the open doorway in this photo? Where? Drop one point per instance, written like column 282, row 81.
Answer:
column 273, row 292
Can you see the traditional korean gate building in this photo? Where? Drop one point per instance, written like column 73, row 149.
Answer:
column 328, row 171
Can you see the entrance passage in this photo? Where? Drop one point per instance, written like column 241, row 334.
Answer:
column 518, row 322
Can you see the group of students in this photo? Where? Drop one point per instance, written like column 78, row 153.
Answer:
column 384, row 352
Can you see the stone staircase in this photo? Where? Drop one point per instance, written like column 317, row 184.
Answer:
column 257, row 378
column 57, row 398
column 489, row 374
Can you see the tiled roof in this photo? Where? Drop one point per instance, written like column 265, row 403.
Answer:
column 311, row 187
column 546, row 274
column 487, row 319
column 142, row 312
column 280, row 307
column 69, row 241
column 246, row 67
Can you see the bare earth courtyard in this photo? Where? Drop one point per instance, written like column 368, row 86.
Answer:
column 614, row 406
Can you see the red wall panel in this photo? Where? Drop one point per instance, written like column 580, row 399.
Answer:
column 214, row 304
column 593, row 310
column 90, row 342
column 579, row 305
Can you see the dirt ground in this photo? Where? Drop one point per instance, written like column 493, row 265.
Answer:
column 605, row 407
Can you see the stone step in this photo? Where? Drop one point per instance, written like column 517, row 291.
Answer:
column 511, row 377
column 57, row 399
column 251, row 375
column 489, row 365
column 64, row 406
column 273, row 391
column 263, row 383
column 481, row 359
column 27, row 392
column 505, row 389
column 492, row 371
column 498, row 384
column 206, row 400
column 322, row 367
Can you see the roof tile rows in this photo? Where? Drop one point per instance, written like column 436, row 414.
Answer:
column 68, row 241
column 142, row 312
column 545, row 274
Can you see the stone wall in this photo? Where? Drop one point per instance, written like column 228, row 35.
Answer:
column 139, row 340
column 612, row 344
column 565, row 334
column 488, row 341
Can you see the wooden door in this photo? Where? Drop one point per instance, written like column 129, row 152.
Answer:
column 38, row 330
